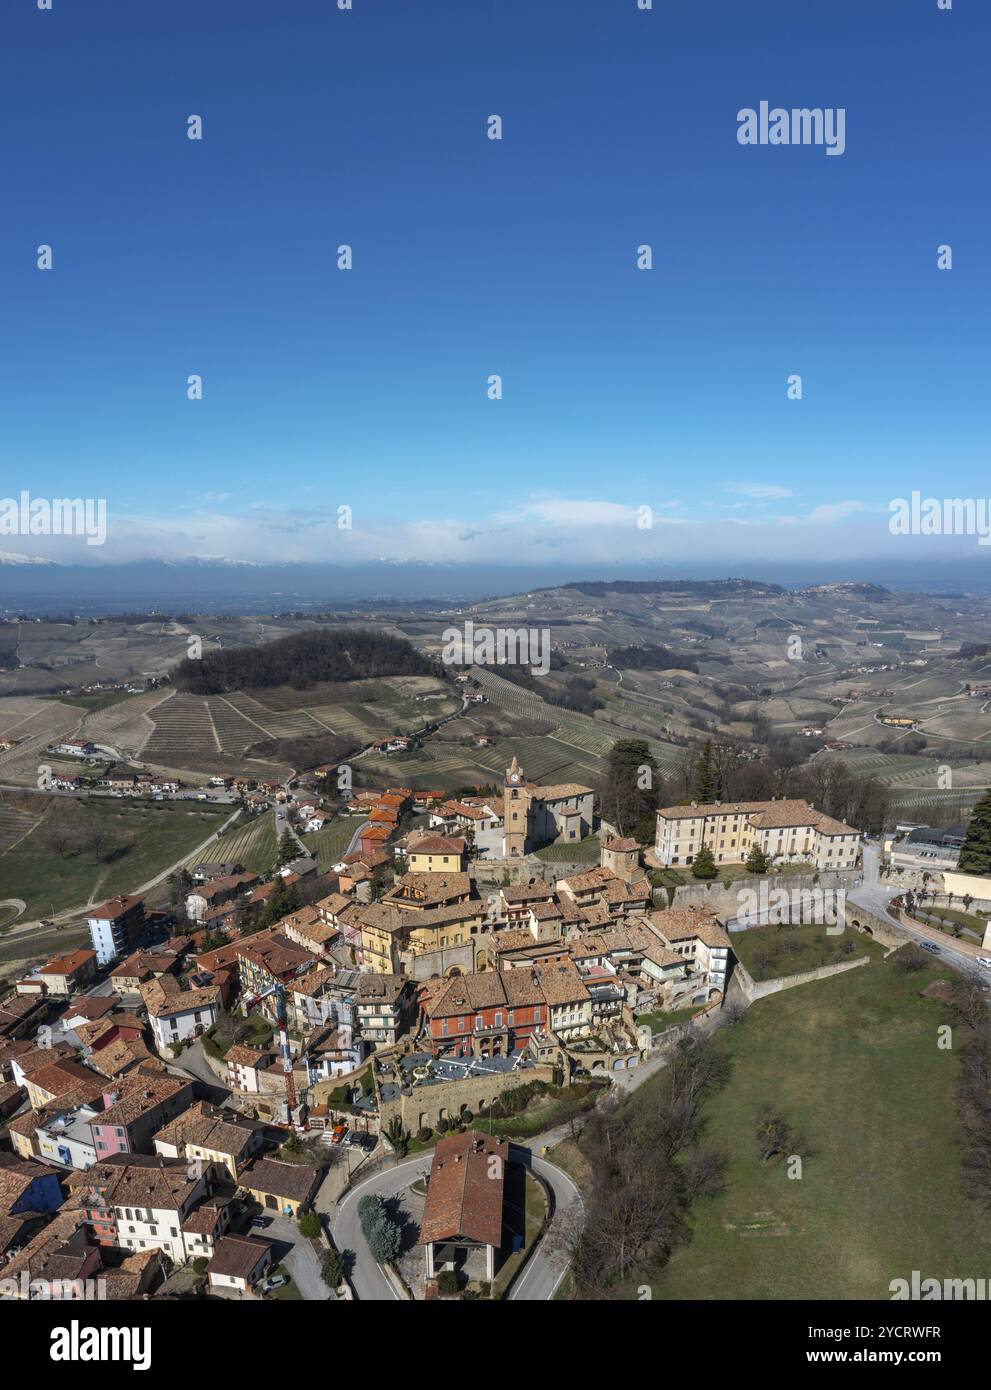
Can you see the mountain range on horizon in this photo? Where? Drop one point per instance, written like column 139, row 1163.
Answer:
column 199, row 585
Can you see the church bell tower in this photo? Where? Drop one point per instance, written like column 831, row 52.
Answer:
column 515, row 812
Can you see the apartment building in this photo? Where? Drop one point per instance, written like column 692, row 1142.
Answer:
column 785, row 829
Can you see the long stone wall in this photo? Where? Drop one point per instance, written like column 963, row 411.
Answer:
column 425, row 1105
column 725, row 900
column 755, row 990
column 493, row 872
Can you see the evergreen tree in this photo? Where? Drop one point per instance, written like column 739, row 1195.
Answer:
column 757, row 861
column 332, row 1269
column 284, row 899
column 381, row 1231
column 975, row 857
column 705, row 786
column 309, row 1224
column 288, row 849
column 705, row 864
column 384, row 1239
column 628, row 794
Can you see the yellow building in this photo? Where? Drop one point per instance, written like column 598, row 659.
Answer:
column 389, row 934
column 436, row 854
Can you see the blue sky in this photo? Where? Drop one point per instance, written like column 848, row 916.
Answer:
column 367, row 388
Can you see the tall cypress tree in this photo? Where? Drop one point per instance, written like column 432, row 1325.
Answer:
column 705, row 782
column 975, row 857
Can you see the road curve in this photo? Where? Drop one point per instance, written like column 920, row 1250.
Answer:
column 544, row 1270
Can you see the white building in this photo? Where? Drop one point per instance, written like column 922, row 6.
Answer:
column 176, row 1014
column 788, row 830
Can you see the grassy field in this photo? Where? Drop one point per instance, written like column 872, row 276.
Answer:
column 572, row 851
column 661, row 1019
column 947, row 918
column 329, row 844
column 138, row 839
column 852, row 1063
column 770, row 951
column 39, row 945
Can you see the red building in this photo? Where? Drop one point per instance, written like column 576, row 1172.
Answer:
column 488, row 1015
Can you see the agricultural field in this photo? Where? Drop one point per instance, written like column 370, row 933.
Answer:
column 913, row 780
column 35, row 724
column 251, row 842
column 192, row 734
column 18, row 815
column 83, row 851
column 730, row 645
column 125, row 725
column 329, row 844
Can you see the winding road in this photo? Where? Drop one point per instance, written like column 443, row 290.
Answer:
column 543, row 1272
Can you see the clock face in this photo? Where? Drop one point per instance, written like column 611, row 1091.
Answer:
column 514, row 778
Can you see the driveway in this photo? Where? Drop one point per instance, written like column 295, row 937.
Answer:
column 301, row 1261
column 191, row 1062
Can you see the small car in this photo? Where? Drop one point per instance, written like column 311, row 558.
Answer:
column 928, row 946
column 985, row 961
column 260, row 1222
column 274, row 1281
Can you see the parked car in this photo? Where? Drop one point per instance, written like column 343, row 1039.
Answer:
column 260, row 1222
column 338, row 1133
column 368, row 1142
column 350, row 1138
column 928, row 946
column 274, row 1281
column 985, row 961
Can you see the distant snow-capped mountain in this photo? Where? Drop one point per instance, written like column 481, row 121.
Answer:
column 13, row 557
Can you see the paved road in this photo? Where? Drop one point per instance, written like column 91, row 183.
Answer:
column 301, row 1261
column 876, row 898
column 369, row 1283
column 191, row 1062
column 540, row 1279
column 548, row 1264
column 355, row 838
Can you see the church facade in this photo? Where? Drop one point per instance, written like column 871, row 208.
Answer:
column 535, row 815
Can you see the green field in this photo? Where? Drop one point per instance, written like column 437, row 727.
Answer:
column 585, row 851
column 329, row 844
column 772, row 951
column 250, row 842
column 137, row 840
column 852, row 1063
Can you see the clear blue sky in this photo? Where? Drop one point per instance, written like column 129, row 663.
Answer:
column 473, row 257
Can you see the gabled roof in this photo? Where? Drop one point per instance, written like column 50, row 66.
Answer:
column 466, row 1190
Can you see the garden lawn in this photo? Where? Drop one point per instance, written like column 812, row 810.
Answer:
column 852, row 1063
column 771, row 951
column 585, row 851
